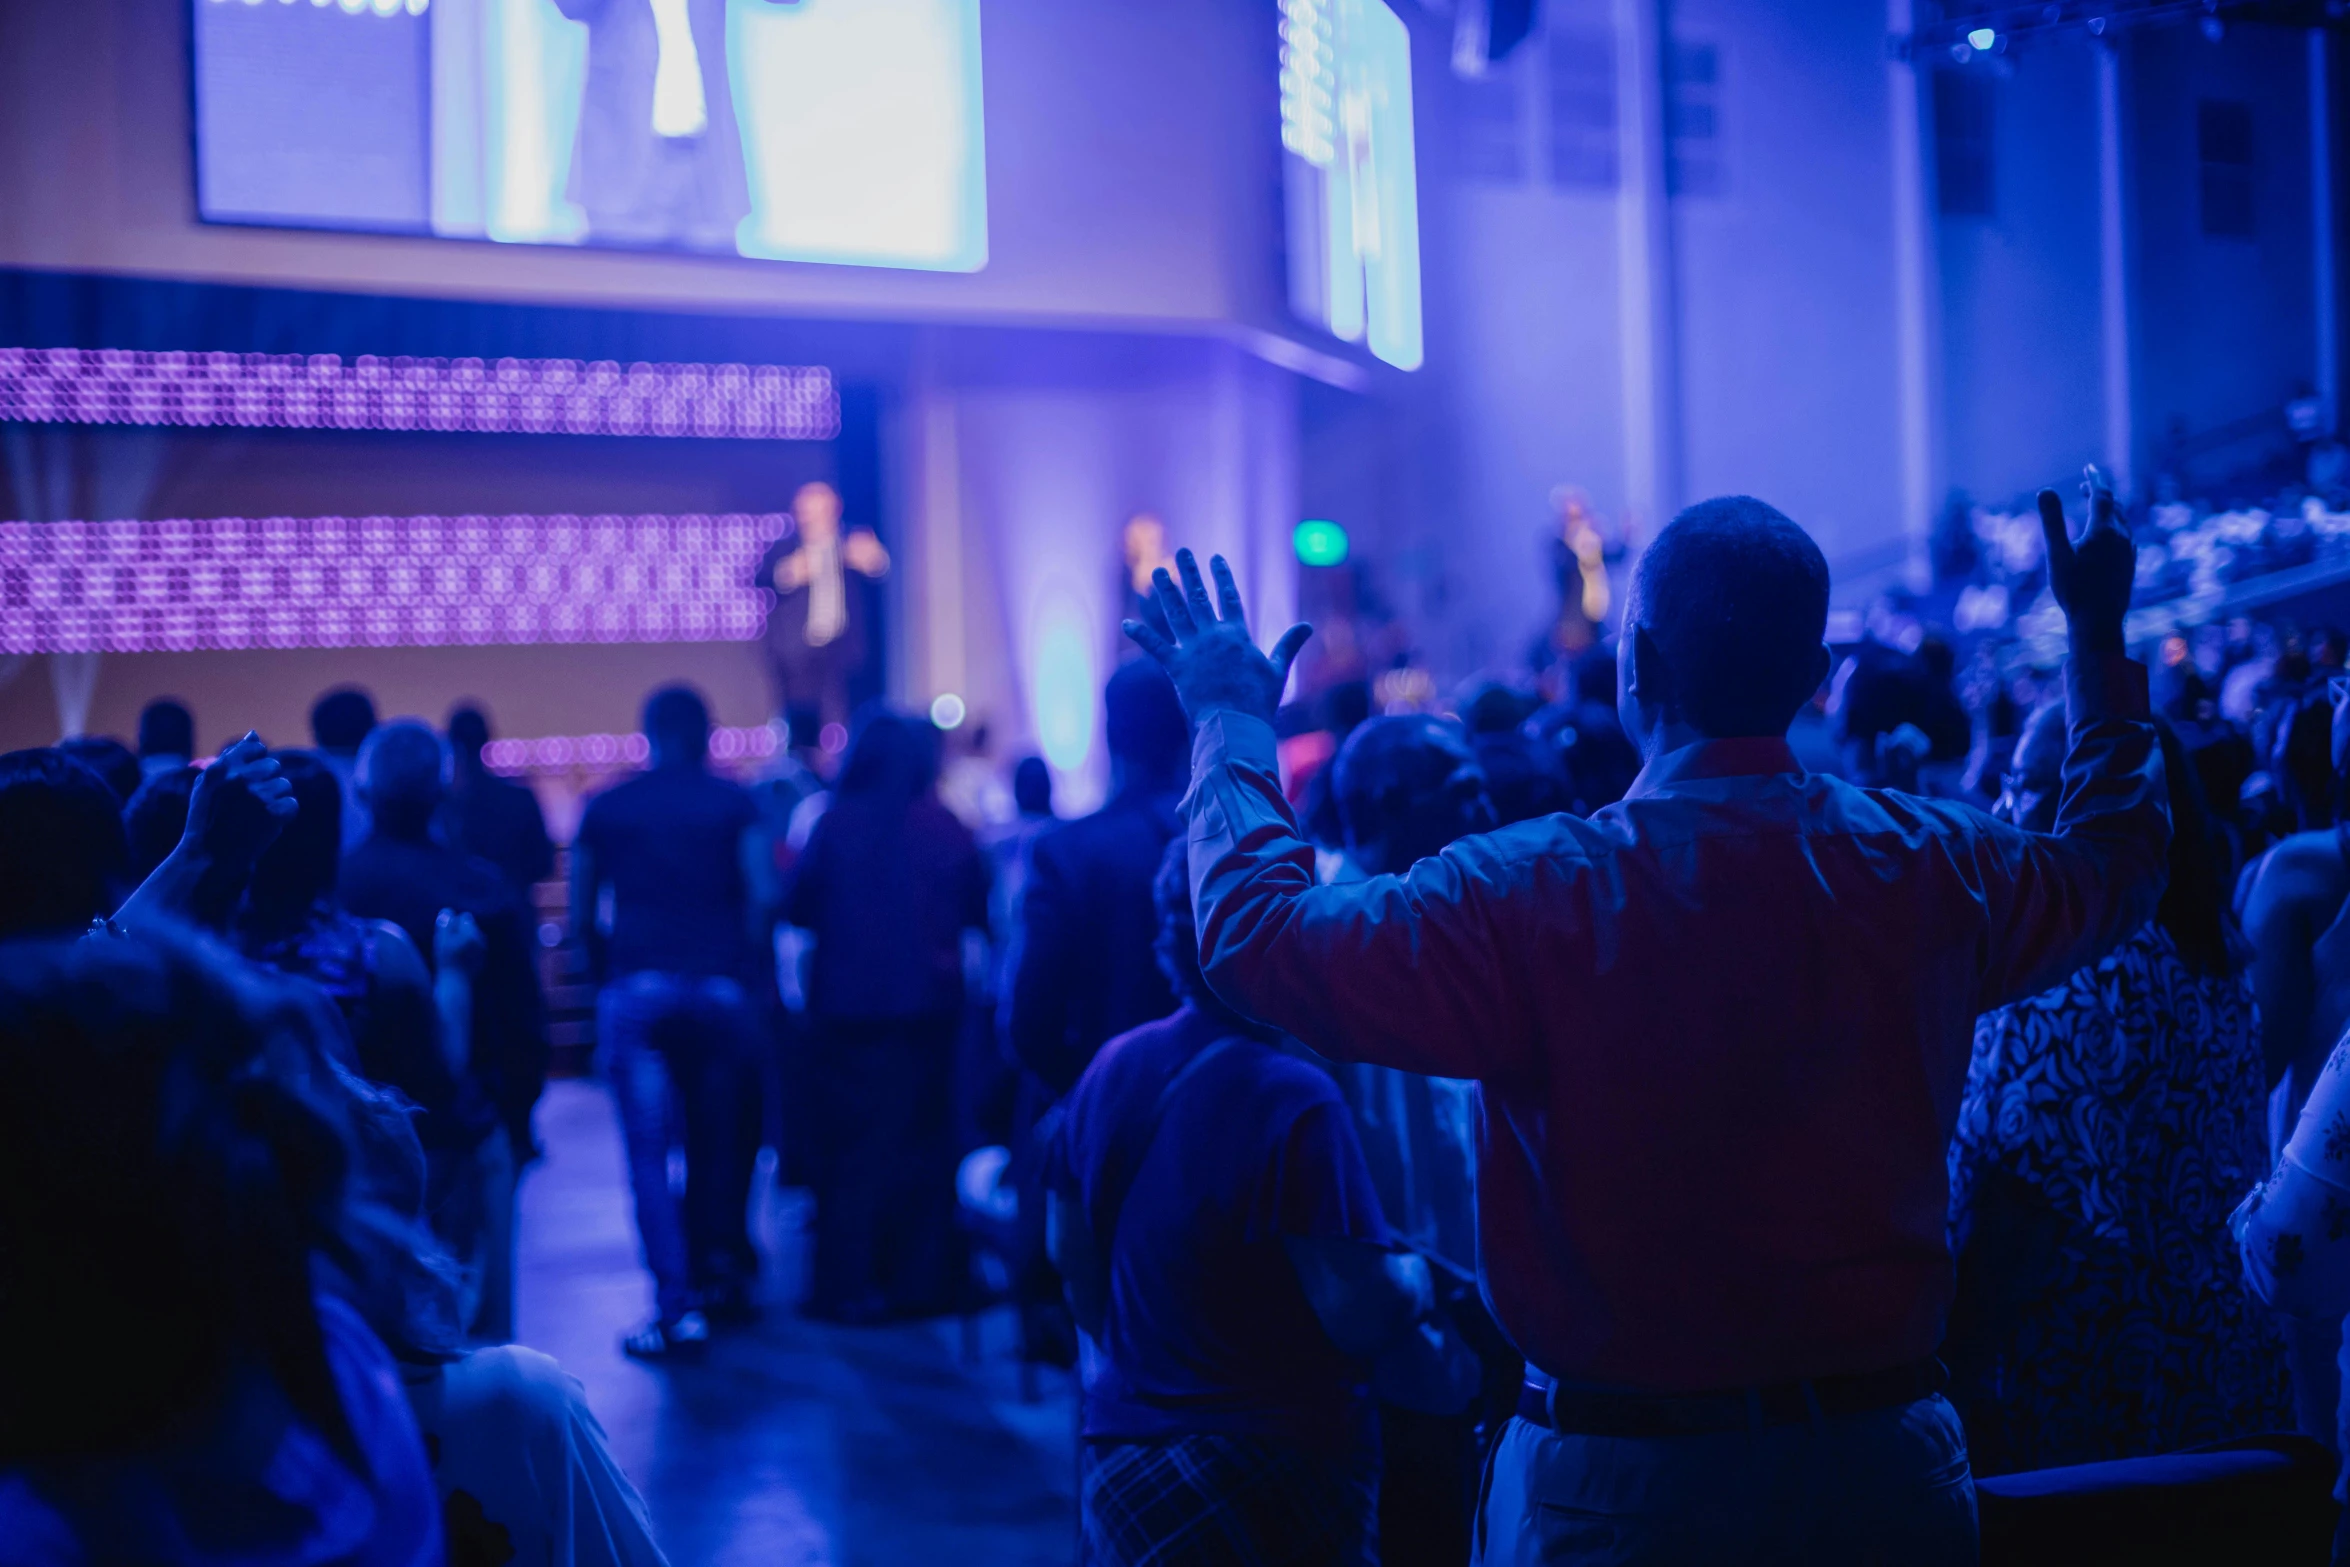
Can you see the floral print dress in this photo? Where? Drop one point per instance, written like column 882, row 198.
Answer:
column 2108, row 1127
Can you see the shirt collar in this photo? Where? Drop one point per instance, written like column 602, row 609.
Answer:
column 1749, row 757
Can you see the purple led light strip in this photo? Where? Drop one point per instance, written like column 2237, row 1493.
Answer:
column 505, row 396
column 567, row 753
column 281, row 582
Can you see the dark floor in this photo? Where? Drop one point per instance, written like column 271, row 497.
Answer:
column 794, row 1444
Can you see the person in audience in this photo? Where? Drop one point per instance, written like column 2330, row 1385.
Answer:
column 110, row 759
column 1406, row 787
column 340, row 723
column 689, row 876
column 2296, row 902
column 1601, row 761
column 1084, row 971
column 992, row 1080
column 1081, row 966
column 523, row 1468
column 1525, row 776
column 167, row 736
column 156, row 817
column 888, row 885
column 1008, row 847
column 292, row 921
column 493, row 818
column 2106, row 1125
column 185, row 1382
column 1226, row 1254
column 1719, row 1033
column 403, row 874
column 63, row 858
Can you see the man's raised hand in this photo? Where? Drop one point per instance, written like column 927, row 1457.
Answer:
column 238, row 806
column 1205, row 648
column 2093, row 578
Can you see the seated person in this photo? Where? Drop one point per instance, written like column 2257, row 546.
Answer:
column 1406, row 787
column 292, row 920
column 178, row 1387
column 2101, row 1313
column 1226, row 1253
column 524, row 1471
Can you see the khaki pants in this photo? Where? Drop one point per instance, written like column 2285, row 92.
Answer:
column 1890, row 1486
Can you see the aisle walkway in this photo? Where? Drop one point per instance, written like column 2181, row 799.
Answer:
column 794, row 1444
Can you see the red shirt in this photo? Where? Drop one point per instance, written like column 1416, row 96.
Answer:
column 1719, row 1029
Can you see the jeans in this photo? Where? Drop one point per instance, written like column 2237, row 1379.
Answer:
column 681, row 1052
column 1889, row 1485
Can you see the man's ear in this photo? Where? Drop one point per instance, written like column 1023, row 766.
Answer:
column 1647, row 678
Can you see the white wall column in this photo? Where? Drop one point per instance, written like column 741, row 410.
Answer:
column 1916, row 296
column 2113, row 273
column 1644, row 255
column 2321, row 226
column 937, row 653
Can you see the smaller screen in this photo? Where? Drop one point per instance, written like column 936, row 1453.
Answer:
column 1352, row 195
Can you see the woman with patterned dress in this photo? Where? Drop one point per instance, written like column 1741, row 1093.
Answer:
column 2107, row 1128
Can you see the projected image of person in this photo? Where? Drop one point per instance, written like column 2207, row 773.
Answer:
column 816, row 641
column 658, row 159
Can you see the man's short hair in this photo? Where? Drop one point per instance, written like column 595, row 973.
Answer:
column 63, row 856
column 1734, row 596
column 341, row 719
column 1144, row 723
column 678, row 721
column 403, row 769
column 166, row 728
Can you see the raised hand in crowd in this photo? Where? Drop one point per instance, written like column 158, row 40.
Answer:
column 1205, row 647
column 239, row 806
column 2092, row 579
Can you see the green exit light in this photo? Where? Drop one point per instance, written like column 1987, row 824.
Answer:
column 1320, row 543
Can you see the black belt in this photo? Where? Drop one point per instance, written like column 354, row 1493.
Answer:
column 1584, row 1411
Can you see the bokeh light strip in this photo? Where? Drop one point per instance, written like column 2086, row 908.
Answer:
column 183, row 584
column 470, row 396
column 600, row 753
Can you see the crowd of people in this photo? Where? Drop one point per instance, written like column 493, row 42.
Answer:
column 1711, row 1114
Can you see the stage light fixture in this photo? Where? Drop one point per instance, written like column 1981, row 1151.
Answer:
column 948, row 711
column 501, row 397
column 1320, row 543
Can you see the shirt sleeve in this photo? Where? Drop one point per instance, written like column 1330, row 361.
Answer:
column 2053, row 902
column 2295, row 1229
column 1316, row 1185
column 1410, row 971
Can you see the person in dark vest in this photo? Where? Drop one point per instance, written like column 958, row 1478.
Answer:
column 816, row 636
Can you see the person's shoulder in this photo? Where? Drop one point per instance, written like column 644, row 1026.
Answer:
column 1290, row 1076
column 519, row 1388
column 2308, row 867
column 396, row 961
column 1121, row 1052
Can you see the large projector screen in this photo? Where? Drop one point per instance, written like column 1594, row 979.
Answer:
column 844, row 131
